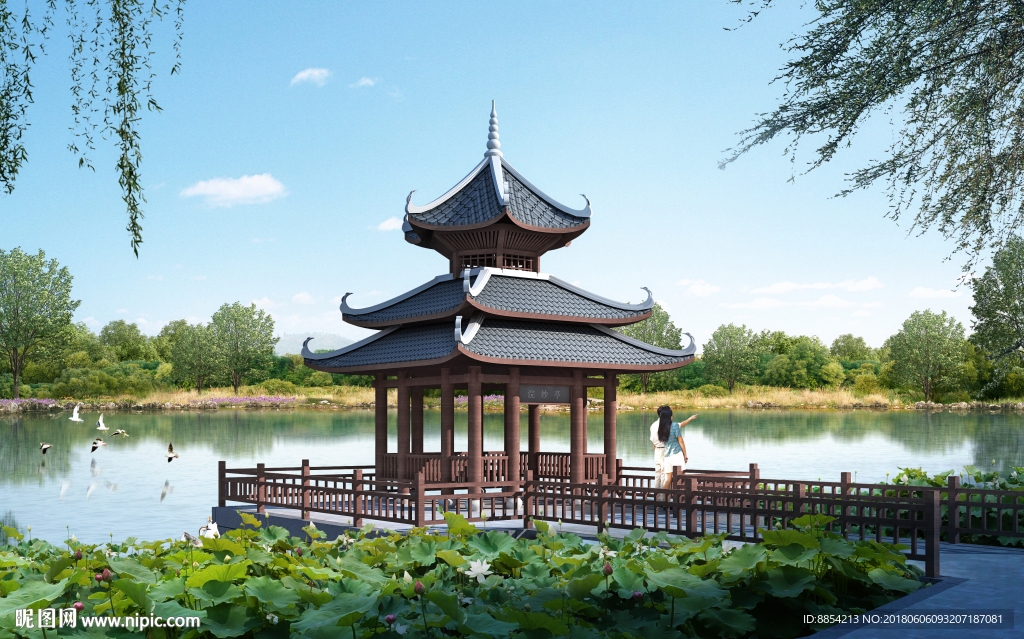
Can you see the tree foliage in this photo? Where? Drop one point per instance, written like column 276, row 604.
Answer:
column 111, row 82
column 245, row 336
column 196, row 356
column 127, row 342
column 955, row 70
column 35, row 305
column 850, row 349
column 802, row 366
column 927, row 351
column 657, row 330
column 728, row 356
column 999, row 308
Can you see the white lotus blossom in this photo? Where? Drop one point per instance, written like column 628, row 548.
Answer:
column 607, row 553
column 399, row 628
column 227, row 558
column 479, row 569
column 74, row 539
column 407, row 578
column 272, row 618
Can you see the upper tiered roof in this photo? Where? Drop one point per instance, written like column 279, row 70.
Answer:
column 504, row 293
column 494, row 217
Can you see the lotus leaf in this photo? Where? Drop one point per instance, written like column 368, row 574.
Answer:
column 57, row 567
column 537, row 621
column 449, row 604
column 484, row 624
column 32, row 595
column 270, row 590
column 7, row 587
column 787, row 581
column 787, row 537
column 131, row 567
column 837, row 548
column 628, row 582
column 345, row 609
column 458, row 526
column 223, row 544
column 891, row 580
column 451, row 557
column 249, row 520
column 174, row 609
column 792, row 554
column 729, row 623
column 704, row 569
column 136, row 591
column 422, row 553
column 580, row 588
column 744, row 558
column 228, row 572
column 228, row 620
column 216, row 592
column 13, row 532
column 816, row 520
column 491, row 544
column 358, row 570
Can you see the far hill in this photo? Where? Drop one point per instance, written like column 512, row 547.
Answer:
column 292, row 342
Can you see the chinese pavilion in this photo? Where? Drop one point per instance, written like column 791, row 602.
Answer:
column 495, row 323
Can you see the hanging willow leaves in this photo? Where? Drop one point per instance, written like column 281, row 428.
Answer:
column 955, row 69
column 111, row 80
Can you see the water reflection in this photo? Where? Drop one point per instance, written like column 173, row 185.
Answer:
column 125, row 487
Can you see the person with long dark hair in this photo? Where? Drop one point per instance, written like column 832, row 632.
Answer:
column 659, row 448
column 671, row 435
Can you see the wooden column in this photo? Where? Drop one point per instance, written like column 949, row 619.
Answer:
column 611, row 404
column 512, row 425
column 447, row 424
column 380, row 422
column 577, row 428
column 416, row 397
column 403, row 429
column 475, row 445
column 534, row 439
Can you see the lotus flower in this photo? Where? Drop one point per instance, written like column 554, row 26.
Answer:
column 400, row 629
column 298, row 551
column 607, row 553
column 607, row 570
column 107, row 575
column 390, row 619
column 637, row 595
column 419, row 588
column 79, row 606
column 479, row 569
column 407, row 578
column 78, row 555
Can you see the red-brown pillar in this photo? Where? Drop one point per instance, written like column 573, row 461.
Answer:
column 403, row 429
column 577, row 428
column 534, row 439
column 416, row 396
column 447, row 424
column 475, row 437
column 611, row 404
column 380, row 424
column 512, row 425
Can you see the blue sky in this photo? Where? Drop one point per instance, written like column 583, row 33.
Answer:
column 294, row 133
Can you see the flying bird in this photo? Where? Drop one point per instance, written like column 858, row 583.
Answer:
column 100, row 425
column 120, row 432
column 74, row 416
column 64, row 488
column 45, row 447
column 171, row 455
column 168, row 489
column 96, row 444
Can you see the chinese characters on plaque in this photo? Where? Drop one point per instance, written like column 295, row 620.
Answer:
column 544, row 394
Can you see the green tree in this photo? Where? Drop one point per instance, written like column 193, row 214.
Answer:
column 999, row 308
column 802, row 366
column 111, row 49
column 35, row 306
column 245, row 335
column 832, row 374
column 850, row 349
column 728, row 356
column 656, row 330
column 927, row 351
column 953, row 68
column 773, row 342
column 127, row 342
column 197, row 356
column 165, row 339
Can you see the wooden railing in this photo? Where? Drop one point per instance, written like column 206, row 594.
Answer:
column 549, row 466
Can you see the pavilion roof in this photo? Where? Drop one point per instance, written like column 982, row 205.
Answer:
column 500, row 341
column 520, row 294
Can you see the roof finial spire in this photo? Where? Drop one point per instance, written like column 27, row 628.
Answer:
column 493, row 145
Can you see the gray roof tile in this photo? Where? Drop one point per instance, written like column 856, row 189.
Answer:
column 436, row 299
column 407, row 344
column 524, row 295
column 529, row 208
column 560, row 342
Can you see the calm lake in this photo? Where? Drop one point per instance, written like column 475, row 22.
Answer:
column 117, row 490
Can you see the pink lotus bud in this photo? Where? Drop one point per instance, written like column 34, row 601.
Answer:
column 177, row 573
column 419, row 588
column 298, row 551
column 107, row 575
column 99, row 577
column 607, row 570
column 638, row 595
column 390, row 619
column 78, row 555
column 79, row 606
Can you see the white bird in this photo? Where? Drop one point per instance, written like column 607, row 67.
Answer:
column 64, row 488
column 167, row 490
column 45, row 447
column 88, row 492
column 96, row 444
column 171, row 455
column 100, row 425
column 74, row 416
column 210, row 530
column 120, row 432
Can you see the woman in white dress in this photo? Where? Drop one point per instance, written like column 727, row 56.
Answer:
column 671, row 434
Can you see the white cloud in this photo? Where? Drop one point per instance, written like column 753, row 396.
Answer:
column 872, row 305
column 312, row 74
column 862, row 313
column 867, row 284
column 829, row 301
column 92, row 322
column 924, row 291
column 227, row 192
column 390, row 224
column 363, row 82
column 302, row 298
column 698, row 288
column 199, row 278
column 761, row 302
column 265, row 303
